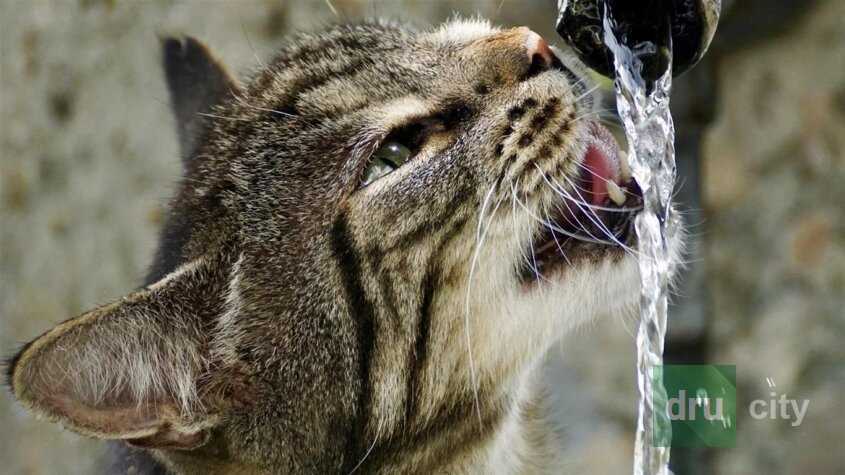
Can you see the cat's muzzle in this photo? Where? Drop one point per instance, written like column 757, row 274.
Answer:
column 593, row 215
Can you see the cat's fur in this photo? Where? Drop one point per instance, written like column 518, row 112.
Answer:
column 296, row 322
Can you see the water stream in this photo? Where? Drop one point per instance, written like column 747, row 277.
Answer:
column 644, row 110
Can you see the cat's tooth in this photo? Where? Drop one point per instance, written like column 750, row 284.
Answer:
column 615, row 193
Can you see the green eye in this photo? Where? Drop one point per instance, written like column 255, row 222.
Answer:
column 388, row 157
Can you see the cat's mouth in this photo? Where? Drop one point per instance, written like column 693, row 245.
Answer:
column 593, row 215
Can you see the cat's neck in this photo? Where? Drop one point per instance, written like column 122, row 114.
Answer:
column 526, row 442
column 517, row 438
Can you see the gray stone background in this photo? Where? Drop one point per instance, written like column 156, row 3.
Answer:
column 88, row 158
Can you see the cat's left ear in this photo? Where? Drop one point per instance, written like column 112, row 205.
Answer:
column 141, row 369
column 197, row 82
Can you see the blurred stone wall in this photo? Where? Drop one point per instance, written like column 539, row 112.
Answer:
column 88, row 158
column 774, row 191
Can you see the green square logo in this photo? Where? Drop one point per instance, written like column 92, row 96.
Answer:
column 698, row 408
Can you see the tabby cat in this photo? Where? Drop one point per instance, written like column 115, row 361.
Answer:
column 376, row 240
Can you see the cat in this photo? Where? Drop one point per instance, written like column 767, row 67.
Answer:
column 375, row 241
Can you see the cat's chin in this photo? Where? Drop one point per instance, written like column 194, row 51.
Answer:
column 583, row 290
column 552, row 266
column 592, row 280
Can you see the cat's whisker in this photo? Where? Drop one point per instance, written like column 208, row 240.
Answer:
column 498, row 10
column 599, row 115
column 265, row 109
column 581, row 206
column 608, row 122
column 598, row 222
column 514, row 225
column 579, row 237
column 514, row 202
column 602, row 114
column 532, row 263
column 214, row 116
column 332, row 8
column 621, row 188
column 588, row 92
column 606, row 110
column 678, row 187
column 557, row 243
column 480, row 236
column 558, row 229
column 541, row 279
column 625, row 325
column 252, row 47
column 590, row 205
column 369, row 450
column 602, row 227
column 582, row 81
column 580, row 203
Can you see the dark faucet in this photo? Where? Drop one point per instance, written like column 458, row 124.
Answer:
column 688, row 24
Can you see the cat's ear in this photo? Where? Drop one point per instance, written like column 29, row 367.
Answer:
column 197, row 82
column 139, row 369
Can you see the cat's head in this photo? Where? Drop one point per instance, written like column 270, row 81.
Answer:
column 376, row 238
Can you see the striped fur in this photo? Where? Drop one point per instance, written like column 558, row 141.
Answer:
column 343, row 329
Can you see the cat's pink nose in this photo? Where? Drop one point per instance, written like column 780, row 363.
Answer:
column 538, row 49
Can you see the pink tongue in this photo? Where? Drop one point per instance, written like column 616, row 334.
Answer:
column 598, row 171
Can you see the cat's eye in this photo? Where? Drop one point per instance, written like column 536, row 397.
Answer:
column 390, row 156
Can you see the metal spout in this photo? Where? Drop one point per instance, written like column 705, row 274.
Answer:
column 688, row 24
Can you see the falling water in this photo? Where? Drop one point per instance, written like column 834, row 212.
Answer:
column 644, row 110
